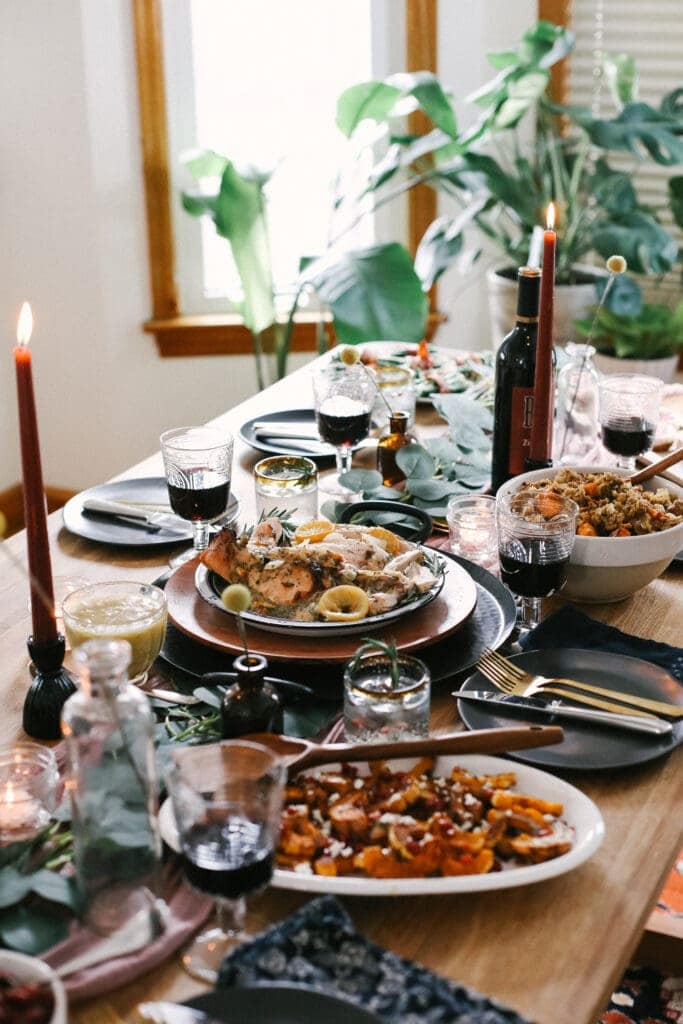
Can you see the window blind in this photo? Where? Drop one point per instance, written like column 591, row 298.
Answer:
column 652, row 33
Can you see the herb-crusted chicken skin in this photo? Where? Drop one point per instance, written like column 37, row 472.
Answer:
column 286, row 580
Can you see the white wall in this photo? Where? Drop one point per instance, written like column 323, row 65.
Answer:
column 467, row 31
column 74, row 244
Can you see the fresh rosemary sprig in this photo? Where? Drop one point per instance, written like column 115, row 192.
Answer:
column 389, row 649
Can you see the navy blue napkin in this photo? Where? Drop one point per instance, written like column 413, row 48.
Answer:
column 319, row 947
column 571, row 628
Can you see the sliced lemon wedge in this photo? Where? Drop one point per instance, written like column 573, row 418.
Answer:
column 387, row 539
column 345, row 603
column 314, row 531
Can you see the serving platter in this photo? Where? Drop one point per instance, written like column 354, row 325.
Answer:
column 446, row 362
column 579, row 813
column 206, row 623
column 210, row 586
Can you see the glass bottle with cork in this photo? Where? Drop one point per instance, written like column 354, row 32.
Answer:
column 390, row 444
column 251, row 704
column 514, row 394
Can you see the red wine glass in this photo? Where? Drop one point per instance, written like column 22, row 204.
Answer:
column 198, row 466
column 227, row 802
column 629, row 410
column 536, row 533
column 344, row 397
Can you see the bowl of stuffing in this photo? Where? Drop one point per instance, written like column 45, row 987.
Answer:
column 626, row 534
column 30, row 991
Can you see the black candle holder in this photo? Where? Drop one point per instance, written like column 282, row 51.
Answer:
column 51, row 686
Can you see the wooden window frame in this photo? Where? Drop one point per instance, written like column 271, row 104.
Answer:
column 210, row 334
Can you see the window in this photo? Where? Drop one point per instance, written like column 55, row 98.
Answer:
column 280, row 86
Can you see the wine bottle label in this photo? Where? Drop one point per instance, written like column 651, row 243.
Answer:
column 520, row 428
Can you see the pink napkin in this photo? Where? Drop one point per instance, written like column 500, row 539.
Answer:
column 188, row 911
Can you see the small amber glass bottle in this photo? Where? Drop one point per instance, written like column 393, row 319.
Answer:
column 390, row 444
column 251, row 704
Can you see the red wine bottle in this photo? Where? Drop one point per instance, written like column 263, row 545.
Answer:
column 515, row 365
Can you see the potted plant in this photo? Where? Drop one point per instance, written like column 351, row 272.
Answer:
column 632, row 336
column 502, row 185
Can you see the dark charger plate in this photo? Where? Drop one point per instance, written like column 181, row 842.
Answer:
column 586, row 747
column 489, row 625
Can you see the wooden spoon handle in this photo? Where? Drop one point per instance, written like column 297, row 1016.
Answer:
column 480, row 741
column 657, row 467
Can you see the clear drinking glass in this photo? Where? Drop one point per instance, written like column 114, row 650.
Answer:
column 576, row 420
column 629, row 410
column 536, row 532
column 397, row 385
column 344, row 397
column 198, row 466
column 287, row 483
column 28, row 790
column 121, row 610
column 472, row 528
column 377, row 709
column 227, row 800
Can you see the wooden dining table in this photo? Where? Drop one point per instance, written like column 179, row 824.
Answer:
column 552, row 951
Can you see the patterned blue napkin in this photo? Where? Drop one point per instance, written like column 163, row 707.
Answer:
column 319, row 947
column 571, row 628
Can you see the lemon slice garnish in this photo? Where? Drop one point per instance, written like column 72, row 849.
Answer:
column 345, row 603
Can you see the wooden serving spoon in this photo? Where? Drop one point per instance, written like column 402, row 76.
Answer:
column 657, row 467
column 298, row 753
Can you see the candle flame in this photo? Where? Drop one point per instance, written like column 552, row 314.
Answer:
column 550, row 216
column 25, row 325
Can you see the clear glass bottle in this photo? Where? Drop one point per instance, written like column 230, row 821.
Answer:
column 576, row 420
column 251, row 704
column 390, row 444
column 107, row 725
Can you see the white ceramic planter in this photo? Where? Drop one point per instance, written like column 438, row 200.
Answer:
column 665, row 368
column 572, row 302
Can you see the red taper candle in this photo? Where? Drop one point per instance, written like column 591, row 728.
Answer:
column 35, row 510
column 544, row 391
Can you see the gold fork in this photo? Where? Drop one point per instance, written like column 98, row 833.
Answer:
column 509, row 678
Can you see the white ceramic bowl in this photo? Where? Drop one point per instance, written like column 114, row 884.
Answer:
column 604, row 569
column 30, row 969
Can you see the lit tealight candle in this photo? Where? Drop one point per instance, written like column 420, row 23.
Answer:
column 20, row 813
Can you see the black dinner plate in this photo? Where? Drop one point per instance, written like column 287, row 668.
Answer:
column 294, row 418
column 586, row 746
column 280, row 1004
column 106, row 530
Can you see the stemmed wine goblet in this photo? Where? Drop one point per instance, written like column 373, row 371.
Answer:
column 629, row 410
column 536, row 532
column 227, row 801
column 344, row 397
column 198, row 467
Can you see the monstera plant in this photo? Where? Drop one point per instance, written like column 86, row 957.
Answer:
column 498, row 181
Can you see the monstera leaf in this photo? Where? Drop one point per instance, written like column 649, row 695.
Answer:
column 376, row 101
column 638, row 126
column 645, row 245
column 373, row 293
column 676, row 198
column 442, row 242
column 622, row 77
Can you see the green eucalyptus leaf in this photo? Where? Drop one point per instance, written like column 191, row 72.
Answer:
column 429, row 490
column 366, row 101
column 209, row 697
column 14, row 886
column 55, row 888
column 332, row 510
column 373, row 293
column 415, row 461
column 624, row 296
column 308, row 718
column 457, row 409
column 361, row 479
column 32, row 929
column 443, row 449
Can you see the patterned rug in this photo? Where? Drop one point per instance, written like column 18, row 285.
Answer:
column 645, row 996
